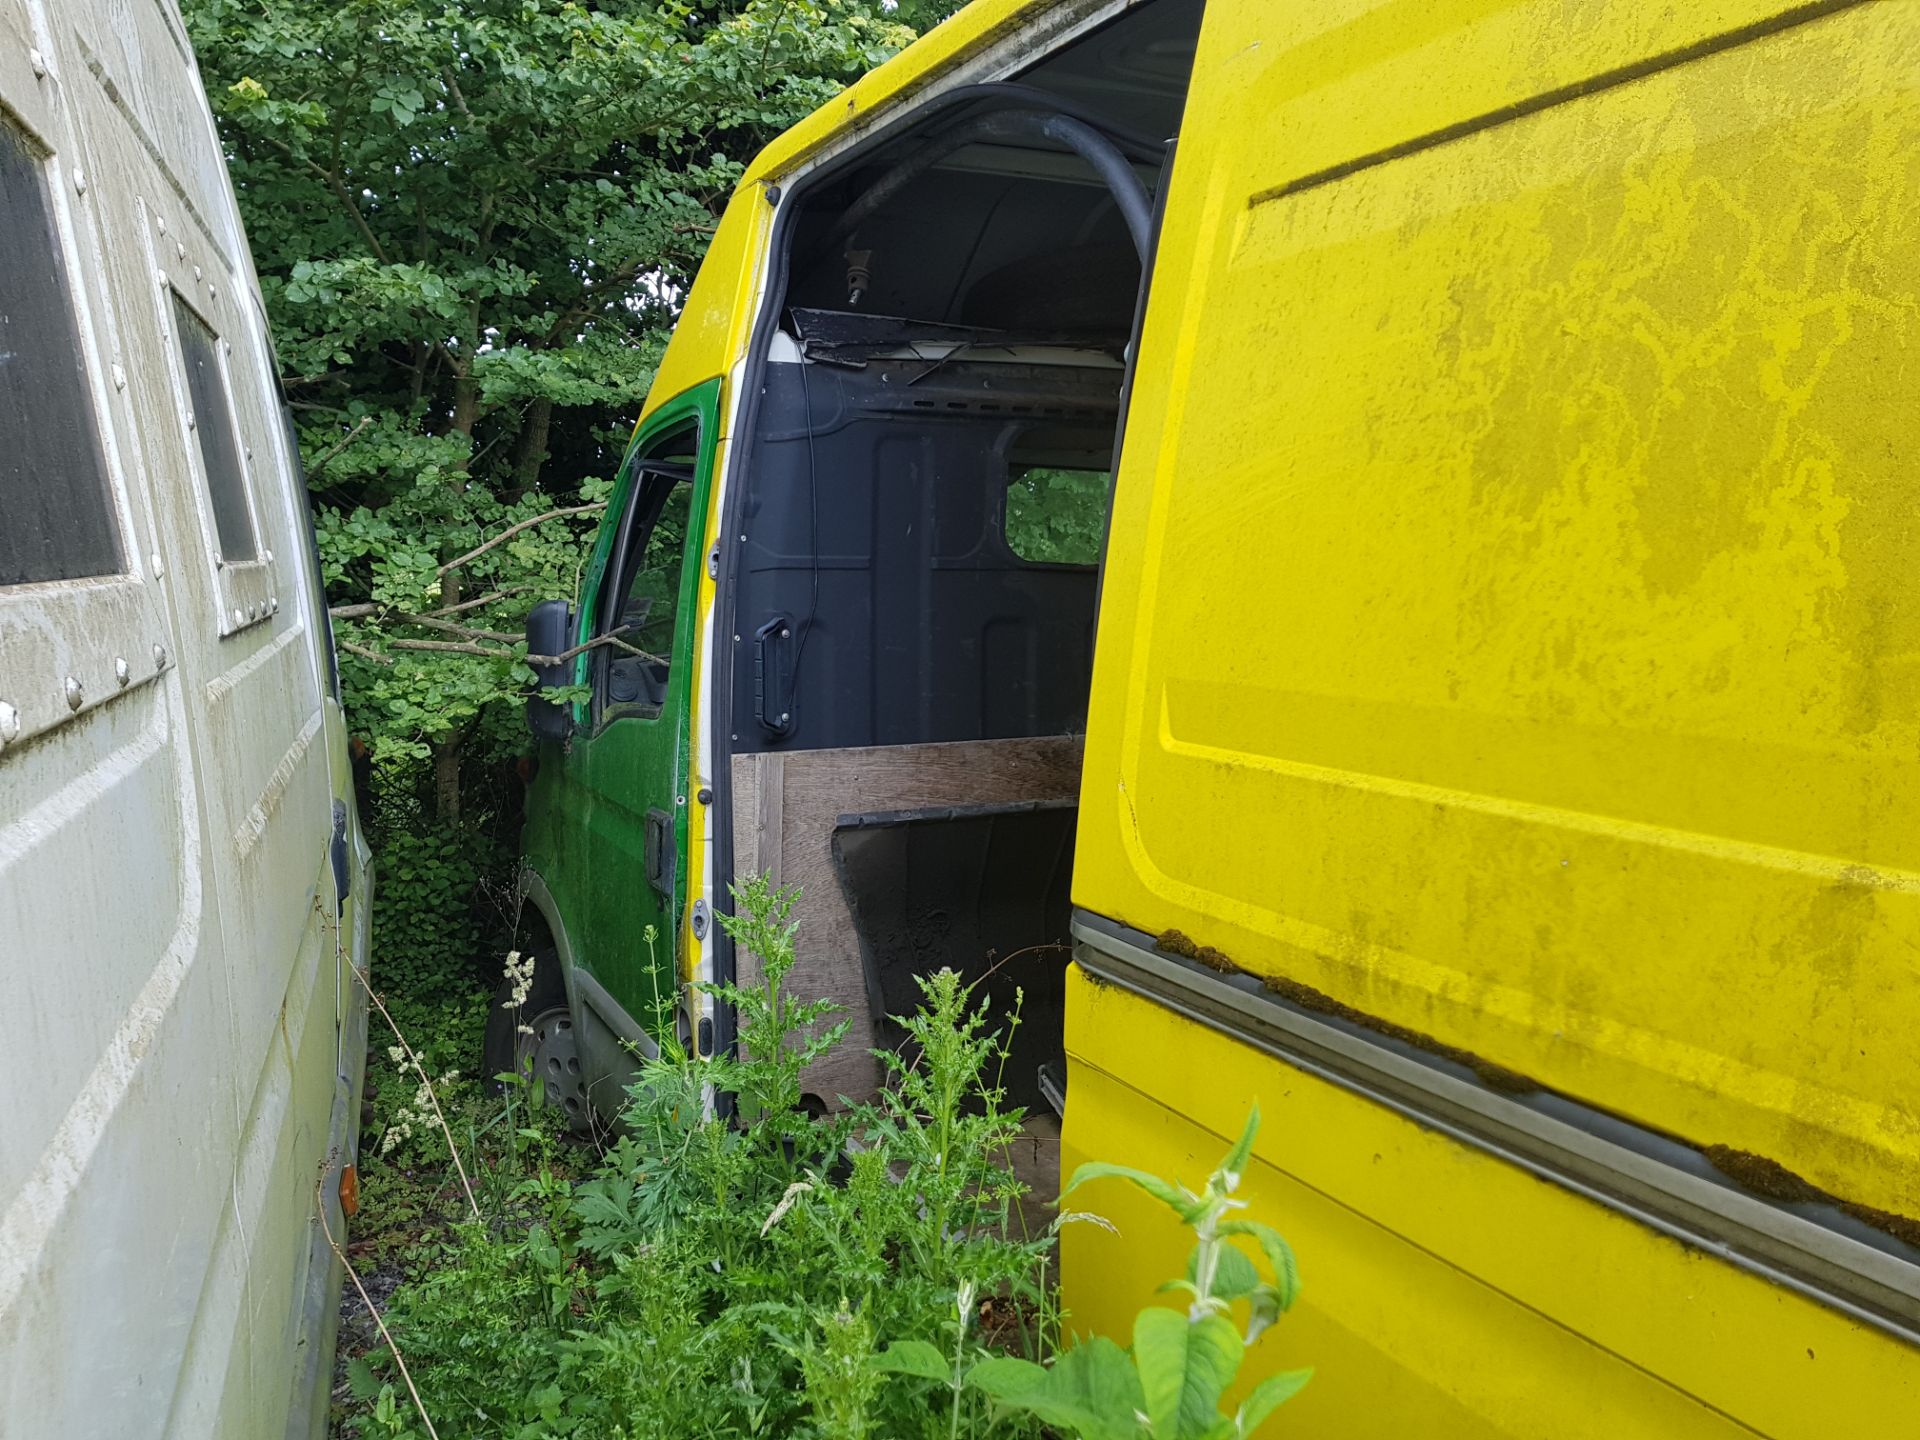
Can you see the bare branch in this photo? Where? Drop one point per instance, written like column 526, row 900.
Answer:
column 597, row 641
column 513, row 530
column 362, row 610
column 453, row 647
column 447, row 627
column 475, row 604
column 373, row 1310
column 364, row 653
column 352, row 435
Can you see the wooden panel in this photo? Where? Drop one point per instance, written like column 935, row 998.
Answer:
column 785, row 807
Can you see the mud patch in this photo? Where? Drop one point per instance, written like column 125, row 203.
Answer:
column 1756, row 1174
column 1177, row 942
column 1495, row 1077
column 1771, row 1180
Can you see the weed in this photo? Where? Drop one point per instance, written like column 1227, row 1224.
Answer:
column 759, row 1270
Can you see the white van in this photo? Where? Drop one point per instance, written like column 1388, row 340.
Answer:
column 182, row 881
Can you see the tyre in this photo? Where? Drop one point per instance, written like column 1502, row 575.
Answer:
column 536, row 1041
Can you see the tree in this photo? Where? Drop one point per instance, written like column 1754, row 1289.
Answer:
column 472, row 221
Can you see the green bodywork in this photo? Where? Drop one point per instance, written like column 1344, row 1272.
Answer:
column 586, row 827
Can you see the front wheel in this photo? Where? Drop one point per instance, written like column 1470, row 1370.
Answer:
column 535, row 1040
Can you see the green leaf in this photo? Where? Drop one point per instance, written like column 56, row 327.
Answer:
column 1185, row 1366
column 1172, row 1196
column 1269, row 1395
column 914, row 1357
column 1004, row 1377
column 1236, row 1162
column 1286, row 1271
column 1234, row 1275
column 361, row 1380
column 1092, row 1390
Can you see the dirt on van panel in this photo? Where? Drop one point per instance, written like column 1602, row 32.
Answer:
column 1756, row 1174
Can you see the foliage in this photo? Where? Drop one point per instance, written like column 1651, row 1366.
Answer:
column 1056, row 516
column 728, row 1276
column 777, row 1273
column 473, row 222
column 1170, row 1385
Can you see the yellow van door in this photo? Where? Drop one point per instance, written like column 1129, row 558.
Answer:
column 1504, row 760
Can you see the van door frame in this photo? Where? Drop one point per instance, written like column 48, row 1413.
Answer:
column 994, row 65
column 698, row 407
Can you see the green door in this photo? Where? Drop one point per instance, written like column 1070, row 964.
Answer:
column 627, row 766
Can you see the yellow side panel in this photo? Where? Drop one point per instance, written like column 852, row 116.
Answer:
column 717, row 318
column 1511, row 623
column 1445, row 1295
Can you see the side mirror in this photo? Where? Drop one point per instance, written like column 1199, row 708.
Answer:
column 550, row 633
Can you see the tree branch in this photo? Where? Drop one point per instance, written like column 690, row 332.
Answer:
column 513, row 530
column 364, row 653
column 453, row 647
column 447, row 627
column 352, row 435
column 598, row 640
column 475, row 604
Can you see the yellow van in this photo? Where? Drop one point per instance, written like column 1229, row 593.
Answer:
column 1505, row 711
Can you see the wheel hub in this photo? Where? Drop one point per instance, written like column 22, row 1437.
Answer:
column 550, row 1055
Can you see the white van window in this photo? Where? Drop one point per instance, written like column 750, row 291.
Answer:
column 56, row 513
column 213, row 425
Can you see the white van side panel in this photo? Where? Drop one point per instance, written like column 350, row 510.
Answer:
column 166, row 902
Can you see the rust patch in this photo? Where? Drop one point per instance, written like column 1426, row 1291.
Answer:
column 1771, row 1180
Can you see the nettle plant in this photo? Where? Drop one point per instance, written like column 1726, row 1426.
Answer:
column 1170, row 1384
column 756, row 1268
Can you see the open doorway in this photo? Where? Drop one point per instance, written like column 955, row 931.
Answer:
column 937, row 390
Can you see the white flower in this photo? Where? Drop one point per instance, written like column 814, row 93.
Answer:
column 794, row 1192
column 519, row 980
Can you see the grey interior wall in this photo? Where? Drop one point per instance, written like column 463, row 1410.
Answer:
column 915, row 623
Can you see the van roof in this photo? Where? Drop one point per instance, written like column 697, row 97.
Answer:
column 899, row 79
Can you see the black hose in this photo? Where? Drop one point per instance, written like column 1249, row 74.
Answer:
column 1012, row 94
column 1023, row 124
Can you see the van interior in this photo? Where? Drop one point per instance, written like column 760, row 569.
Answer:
column 940, row 385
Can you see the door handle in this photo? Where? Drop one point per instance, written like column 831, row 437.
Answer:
column 773, row 675
column 659, row 852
